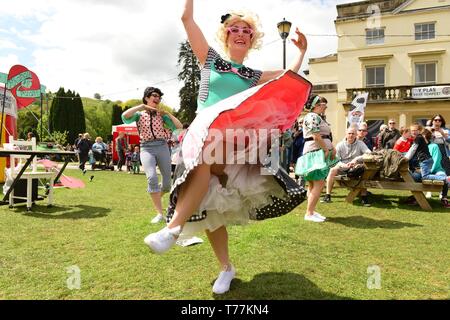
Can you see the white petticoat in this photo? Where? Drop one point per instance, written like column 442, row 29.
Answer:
column 246, row 190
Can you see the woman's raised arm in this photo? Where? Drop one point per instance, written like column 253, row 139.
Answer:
column 196, row 38
column 302, row 44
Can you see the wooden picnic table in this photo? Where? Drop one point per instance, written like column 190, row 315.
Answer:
column 370, row 180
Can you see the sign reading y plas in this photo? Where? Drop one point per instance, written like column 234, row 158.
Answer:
column 435, row 92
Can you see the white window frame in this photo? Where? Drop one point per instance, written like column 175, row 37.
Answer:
column 375, row 85
column 424, row 35
column 417, row 64
column 374, row 39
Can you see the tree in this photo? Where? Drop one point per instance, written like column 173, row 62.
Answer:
column 97, row 96
column 130, row 103
column 56, row 109
column 79, row 125
column 116, row 113
column 67, row 114
column 56, row 136
column 26, row 122
column 190, row 75
column 98, row 119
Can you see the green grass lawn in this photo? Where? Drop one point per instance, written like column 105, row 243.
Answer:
column 100, row 229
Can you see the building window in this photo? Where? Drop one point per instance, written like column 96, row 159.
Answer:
column 426, row 73
column 421, row 120
column 375, row 76
column 425, row 31
column 374, row 36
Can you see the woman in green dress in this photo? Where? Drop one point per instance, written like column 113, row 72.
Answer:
column 318, row 154
column 207, row 195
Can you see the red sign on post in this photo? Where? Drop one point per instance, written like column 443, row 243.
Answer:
column 24, row 85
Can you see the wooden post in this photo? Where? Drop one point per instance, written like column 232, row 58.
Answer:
column 418, row 195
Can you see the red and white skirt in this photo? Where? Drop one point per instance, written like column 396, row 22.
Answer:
column 240, row 131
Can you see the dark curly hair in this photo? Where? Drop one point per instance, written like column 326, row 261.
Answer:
column 313, row 100
column 427, row 134
column 148, row 91
column 442, row 120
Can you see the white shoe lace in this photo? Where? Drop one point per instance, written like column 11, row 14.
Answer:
column 319, row 216
column 162, row 240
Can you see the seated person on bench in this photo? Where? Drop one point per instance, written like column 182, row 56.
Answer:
column 99, row 148
column 430, row 168
column 350, row 151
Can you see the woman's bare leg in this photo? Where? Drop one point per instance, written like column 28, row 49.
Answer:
column 191, row 194
column 219, row 242
column 310, row 187
column 156, row 198
column 314, row 195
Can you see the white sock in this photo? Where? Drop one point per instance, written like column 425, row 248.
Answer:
column 226, row 267
column 175, row 231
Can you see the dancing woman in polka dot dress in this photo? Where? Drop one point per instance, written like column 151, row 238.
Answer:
column 214, row 183
column 154, row 126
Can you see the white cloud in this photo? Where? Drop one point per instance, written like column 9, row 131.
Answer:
column 117, row 48
column 8, row 60
column 6, row 44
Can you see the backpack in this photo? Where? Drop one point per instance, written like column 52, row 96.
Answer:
column 356, row 171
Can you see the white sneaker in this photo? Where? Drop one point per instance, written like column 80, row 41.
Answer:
column 222, row 284
column 428, row 195
column 320, row 216
column 313, row 218
column 159, row 218
column 161, row 241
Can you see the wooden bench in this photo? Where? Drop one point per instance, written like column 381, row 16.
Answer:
column 407, row 183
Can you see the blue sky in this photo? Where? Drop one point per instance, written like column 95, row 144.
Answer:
column 12, row 43
column 117, row 47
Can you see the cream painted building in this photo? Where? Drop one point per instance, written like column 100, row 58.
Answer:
column 396, row 50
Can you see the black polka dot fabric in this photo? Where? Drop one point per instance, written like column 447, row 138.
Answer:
column 225, row 66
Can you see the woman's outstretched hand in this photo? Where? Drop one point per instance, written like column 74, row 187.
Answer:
column 301, row 43
column 148, row 108
column 162, row 112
